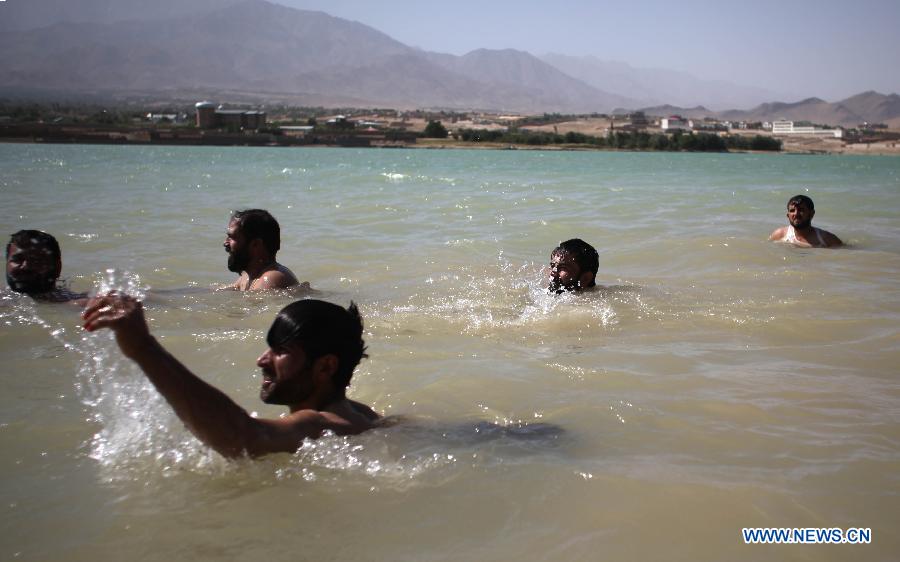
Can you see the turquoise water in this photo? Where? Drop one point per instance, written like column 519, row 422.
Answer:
column 716, row 381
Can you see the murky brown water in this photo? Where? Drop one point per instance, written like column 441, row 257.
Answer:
column 716, row 381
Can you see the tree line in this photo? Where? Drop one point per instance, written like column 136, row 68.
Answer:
column 679, row 141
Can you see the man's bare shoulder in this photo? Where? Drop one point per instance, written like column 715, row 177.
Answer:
column 285, row 434
column 831, row 241
column 778, row 233
column 346, row 417
column 365, row 411
column 279, row 277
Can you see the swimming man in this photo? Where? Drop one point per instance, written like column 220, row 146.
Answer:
column 33, row 266
column 314, row 346
column 252, row 239
column 800, row 231
column 573, row 266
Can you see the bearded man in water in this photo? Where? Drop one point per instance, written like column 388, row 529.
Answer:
column 252, row 239
column 313, row 348
column 800, row 231
column 573, row 266
column 33, row 266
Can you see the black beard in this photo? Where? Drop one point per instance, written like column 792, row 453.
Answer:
column 238, row 261
column 34, row 286
column 802, row 225
column 558, row 288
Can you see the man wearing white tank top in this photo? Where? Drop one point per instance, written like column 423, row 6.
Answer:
column 800, row 231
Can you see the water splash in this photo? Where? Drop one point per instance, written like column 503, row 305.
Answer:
column 516, row 297
column 138, row 430
column 135, row 427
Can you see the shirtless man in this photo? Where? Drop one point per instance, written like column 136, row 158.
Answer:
column 800, row 231
column 252, row 239
column 314, row 346
column 573, row 266
column 33, row 266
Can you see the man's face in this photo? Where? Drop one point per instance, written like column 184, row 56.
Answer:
column 564, row 272
column 237, row 248
column 287, row 375
column 31, row 269
column 800, row 216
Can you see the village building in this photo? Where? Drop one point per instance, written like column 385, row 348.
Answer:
column 674, row 123
column 211, row 117
column 785, row 127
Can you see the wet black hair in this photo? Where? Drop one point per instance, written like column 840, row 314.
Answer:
column 801, row 200
column 584, row 254
column 35, row 239
column 258, row 223
column 32, row 238
column 322, row 328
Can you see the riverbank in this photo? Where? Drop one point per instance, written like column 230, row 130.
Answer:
column 791, row 146
column 178, row 136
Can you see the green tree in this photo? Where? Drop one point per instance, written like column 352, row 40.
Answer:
column 435, row 130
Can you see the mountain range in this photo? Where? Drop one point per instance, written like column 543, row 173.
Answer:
column 243, row 50
column 867, row 106
column 654, row 86
column 293, row 55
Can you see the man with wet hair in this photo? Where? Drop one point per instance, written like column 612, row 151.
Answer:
column 573, row 266
column 252, row 240
column 33, row 266
column 800, row 231
column 314, row 346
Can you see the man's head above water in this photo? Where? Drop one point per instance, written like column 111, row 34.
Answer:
column 573, row 266
column 252, row 234
column 252, row 240
column 800, row 211
column 800, row 231
column 33, row 262
column 314, row 346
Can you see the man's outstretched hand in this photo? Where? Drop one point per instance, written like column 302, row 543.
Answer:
column 124, row 315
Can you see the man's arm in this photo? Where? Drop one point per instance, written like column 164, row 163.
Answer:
column 208, row 413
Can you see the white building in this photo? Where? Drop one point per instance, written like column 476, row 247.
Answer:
column 785, row 127
column 674, row 122
column 159, row 117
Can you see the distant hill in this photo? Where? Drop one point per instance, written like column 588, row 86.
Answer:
column 22, row 15
column 518, row 69
column 868, row 106
column 258, row 46
column 874, row 107
column 237, row 50
column 698, row 112
column 653, row 86
column 251, row 44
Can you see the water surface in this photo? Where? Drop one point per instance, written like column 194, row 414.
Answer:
column 715, row 381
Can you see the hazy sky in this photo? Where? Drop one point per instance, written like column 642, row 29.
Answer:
column 826, row 48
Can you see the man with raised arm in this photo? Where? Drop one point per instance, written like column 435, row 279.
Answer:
column 573, row 266
column 314, row 346
column 33, row 266
column 252, row 239
column 800, row 231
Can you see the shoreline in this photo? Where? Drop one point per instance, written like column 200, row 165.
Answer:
column 800, row 146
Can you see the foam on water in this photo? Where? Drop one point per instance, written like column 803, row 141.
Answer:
column 138, row 436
